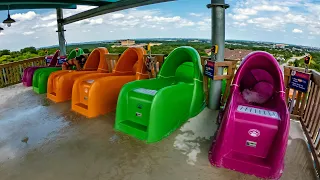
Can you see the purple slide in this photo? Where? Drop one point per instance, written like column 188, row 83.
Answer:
column 28, row 72
column 253, row 134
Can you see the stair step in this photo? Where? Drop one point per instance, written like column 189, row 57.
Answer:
column 82, row 106
column 135, row 129
column 246, row 163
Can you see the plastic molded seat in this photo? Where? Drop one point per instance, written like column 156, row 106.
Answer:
column 253, row 137
column 40, row 76
column 60, row 83
column 152, row 109
column 97, row 93
column 28, row 72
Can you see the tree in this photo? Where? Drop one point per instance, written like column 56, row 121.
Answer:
column 31, row 50
column 87, row 51
column 5, row 52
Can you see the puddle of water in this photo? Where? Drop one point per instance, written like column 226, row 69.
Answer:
column 12, row 91
column 199, row 128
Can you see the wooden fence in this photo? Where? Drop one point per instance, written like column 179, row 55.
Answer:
column 230, row 66
column 307, row 111
column 11, row 73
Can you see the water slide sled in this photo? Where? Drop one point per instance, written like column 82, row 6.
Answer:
column 97, row 93
column 28, row 72
column 152, row 109
column 40, row 76
column 253, row 135
column 60, row 83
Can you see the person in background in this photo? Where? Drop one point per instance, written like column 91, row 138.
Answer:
column 78, row 62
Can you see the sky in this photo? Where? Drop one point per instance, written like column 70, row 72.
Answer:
column 283, row 21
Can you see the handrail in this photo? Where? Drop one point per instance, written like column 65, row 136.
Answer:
column 230, row 65
column 307, row 110
column 11, row 73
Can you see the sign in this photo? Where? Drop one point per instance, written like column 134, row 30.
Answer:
column 299, row 81
column 48, row 59
column 62, row 59
column 209, row 69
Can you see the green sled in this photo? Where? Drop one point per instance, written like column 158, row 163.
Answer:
column 40, row 76
column 152, row 109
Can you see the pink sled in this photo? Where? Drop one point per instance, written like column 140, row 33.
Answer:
column 29, row 71
column 253, row 134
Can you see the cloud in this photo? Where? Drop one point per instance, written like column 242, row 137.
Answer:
column 204, row 25
column 28, row 33
column 117, row 16
column 195, row 14
column 267, row 23
column 239, row 24
column 49, row 17
column 50, row 24
column 245, row 11
column 271, row 8
column 24, row 16
column 158, row 19
column 185, row 23
column 2, row 34
column 297, row 31
column 238, row 17
column 93, row 21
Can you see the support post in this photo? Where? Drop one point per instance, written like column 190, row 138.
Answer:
column 62, row 44
column 218, row 38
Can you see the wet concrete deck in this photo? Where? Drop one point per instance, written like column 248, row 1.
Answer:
column 63, row 145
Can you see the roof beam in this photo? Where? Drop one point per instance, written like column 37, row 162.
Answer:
column 112, row 7
column 38, row 6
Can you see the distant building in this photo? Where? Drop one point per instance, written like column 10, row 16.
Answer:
column 279, row 46
column 127, row 42
column 234, row 54
column 296, row 49
column 194, row 41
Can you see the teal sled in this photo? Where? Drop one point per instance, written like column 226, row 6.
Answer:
column 40, row 76
column 151, row 110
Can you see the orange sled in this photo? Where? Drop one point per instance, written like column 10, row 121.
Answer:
column 97, row 94
column 60, row 82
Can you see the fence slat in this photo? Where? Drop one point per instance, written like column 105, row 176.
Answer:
column 303, row 104
column 312, row 114
column 315, row 129
column 297, row 103
column 311, row 102
column 307, row 110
